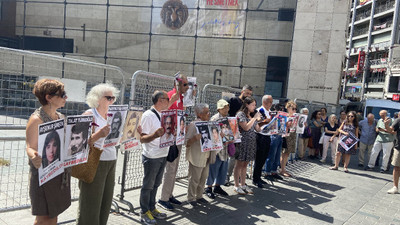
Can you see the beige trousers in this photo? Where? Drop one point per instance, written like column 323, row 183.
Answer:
column 197, row 180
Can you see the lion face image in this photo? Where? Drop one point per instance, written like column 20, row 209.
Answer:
column 174, row 14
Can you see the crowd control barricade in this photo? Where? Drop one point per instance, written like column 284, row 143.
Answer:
column 315, row 105
column 301, row 103
column 212, row 93
column 143, row 85
column 19, row 70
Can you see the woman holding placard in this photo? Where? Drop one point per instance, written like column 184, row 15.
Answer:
column 54, row 196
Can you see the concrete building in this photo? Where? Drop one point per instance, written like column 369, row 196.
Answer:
column 227, row 42
column 371, row 69
column 318, row 50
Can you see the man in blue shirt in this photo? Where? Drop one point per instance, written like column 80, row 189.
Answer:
column 367, row 138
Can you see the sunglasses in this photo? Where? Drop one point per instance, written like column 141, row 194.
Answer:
column 350, row 116
column 110, row 98
column 186, row 84
column 294, row 108
column 61, row 95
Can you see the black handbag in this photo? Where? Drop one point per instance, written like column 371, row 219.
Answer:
column 173, row 153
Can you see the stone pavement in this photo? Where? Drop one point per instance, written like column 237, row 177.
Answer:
column 315, row 195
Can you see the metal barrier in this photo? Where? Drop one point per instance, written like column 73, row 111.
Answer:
column 301, row 103
column 143, row 86
column 212, row 93
column 19, row 70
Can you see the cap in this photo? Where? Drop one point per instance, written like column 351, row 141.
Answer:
column 221, row 103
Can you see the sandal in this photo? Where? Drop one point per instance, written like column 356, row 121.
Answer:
column 346, row 170
column 286, row 174
column 333, row 168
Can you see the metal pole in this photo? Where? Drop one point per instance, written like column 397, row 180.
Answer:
column 367, row 64
column 353, row 19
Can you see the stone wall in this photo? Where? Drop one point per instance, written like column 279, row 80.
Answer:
column 319, row 46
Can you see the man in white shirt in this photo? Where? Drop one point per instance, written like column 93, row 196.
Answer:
column 263, row 142
column 154, row 158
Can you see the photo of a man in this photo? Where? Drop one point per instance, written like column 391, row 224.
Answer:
column 205, row 137
column 131, row 125
column 78, row 139
column 182, row 126
column 115, row 126
column 168, row 124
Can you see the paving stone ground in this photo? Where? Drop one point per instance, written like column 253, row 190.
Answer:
column 315, row 195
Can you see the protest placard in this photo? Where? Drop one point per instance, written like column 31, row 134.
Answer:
column 77, row 134
column 51, row 150
column 116, row 118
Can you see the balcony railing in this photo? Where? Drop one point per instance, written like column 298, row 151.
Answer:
column 353, row 80
column 377, row 62
column 363, row 14
column 361, row 31
column 384, row 6
column 382, row 26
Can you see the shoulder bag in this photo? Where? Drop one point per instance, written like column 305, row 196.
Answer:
column 87, row 171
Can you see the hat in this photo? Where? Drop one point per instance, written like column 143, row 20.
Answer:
column 221, row 103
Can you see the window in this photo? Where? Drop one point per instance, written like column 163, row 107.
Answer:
column 285, row 14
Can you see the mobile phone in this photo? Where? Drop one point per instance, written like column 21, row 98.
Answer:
column 388, row 114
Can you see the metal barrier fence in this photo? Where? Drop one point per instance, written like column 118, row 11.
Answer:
column 19, row 70
column 143, row 86
column 212, row 93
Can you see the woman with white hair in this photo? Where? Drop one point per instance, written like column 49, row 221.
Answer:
column 95, row 198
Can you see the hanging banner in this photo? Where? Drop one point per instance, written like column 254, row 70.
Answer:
column 361, row 60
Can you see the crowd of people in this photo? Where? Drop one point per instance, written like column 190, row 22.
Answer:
column 208, row 171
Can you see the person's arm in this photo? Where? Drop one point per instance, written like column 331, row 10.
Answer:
column 32, row 134
column 328, row 131
column 146, row 138
column 246, row 126
column 100, row 133
column 316, row 123
column 192, row 140
column 173, row 98
column 341, row 131
column 191, row 135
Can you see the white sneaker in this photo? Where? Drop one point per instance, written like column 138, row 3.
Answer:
column 247, row 189
column 323, row 160
column 393, row 190
column 239, row 190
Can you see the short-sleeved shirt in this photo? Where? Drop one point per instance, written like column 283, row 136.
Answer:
column 176, row 105
column 150, row 123
column 396, row 127
column 334, row 128
column 383, row 137
column 368, row 132
column 234, row 105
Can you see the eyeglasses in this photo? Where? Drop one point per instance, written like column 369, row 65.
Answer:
column 61, row 95
column 165, row 98
column 110, row 98
column 349, row 116
column 294, row 108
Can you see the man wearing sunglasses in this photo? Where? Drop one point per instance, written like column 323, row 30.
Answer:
column 175, row 102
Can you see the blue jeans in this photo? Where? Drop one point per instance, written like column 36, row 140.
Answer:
column 271, row 165
column 153, row 173
column 217, row 172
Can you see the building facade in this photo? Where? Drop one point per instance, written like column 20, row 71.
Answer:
column 373, row 35
column 226, row 42
column 318, row 49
